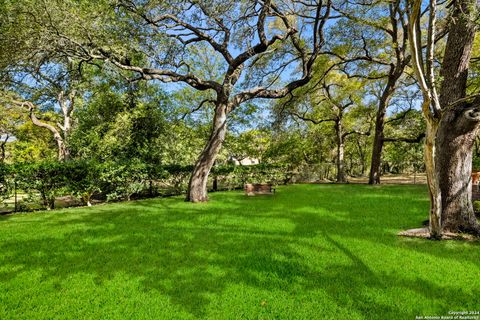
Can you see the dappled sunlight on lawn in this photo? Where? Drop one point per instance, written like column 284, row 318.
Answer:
column 307, row 251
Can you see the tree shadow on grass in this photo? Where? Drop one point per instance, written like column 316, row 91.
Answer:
column 193, row 255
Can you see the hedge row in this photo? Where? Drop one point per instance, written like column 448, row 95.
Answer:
column 122, row 180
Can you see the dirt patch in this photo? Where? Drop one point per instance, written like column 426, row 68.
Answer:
column 425, row 234
column 418, row 178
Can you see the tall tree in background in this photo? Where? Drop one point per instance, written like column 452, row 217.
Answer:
column 45, row 87
column 336, row 100
column 11, row 117
column 453, row 118
column 380, row 53
column 34, row 78
column 57, row 93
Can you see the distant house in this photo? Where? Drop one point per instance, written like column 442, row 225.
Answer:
column 247, row 161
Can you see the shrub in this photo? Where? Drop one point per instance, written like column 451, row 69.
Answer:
column 231, row 176
column 476, row 164
column 122, row 180
column 84, row 179
column 5, row 182
column 49, row 178
column 476, row 207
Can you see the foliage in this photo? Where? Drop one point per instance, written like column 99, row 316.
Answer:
column 123, row 179
column 120, row 180
column 232, row 176
column 402, row 155
column 5, row 182
column 476, row 162
column 49, row 178
column 84, row 179
column 31, row 144
column 120, row 119
column 249, row 143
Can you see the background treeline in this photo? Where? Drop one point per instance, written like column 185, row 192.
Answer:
column 136, row 140
column 68, row 93
column 43, row 182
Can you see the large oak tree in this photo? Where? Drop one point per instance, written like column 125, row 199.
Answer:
column 453, row 118
column 259, row 42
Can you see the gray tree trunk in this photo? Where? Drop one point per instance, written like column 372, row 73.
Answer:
column 455, row 139
column 341, row 176
column 378, row 140
column 197, row 188
column 375, row 165
column 458, row 126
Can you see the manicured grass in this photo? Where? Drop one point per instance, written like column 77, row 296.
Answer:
column 308, row 252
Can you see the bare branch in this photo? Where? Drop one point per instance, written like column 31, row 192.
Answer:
column 160, row 74
column 200, row 105
column 305, row 118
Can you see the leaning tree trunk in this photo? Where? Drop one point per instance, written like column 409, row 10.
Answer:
column 63, row 151
column 459, row 123
column 378, row 140
column 197, row 188
column 399, row 38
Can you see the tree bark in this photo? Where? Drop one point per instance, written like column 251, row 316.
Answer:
column 375, row 166
column 361, row 154
column 67, row 104
column 399, row 44
column 458, row 125
column 378, row 140
column 455, row 141
column 432, row 179
column 2, row 148
column 453, row 120
column 215, row 183
column 63, row 151
column 341, row 176
column 197, row 188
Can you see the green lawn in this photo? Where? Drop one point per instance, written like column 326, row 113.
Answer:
column 308, row 252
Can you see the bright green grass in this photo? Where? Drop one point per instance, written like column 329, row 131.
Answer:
column 308, row 252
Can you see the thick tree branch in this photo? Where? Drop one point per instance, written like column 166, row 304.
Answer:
column 160, row 74
column 363, row 133
column 429, row 96
column 402, row 116
column 200, row 105
column 305, row 118
column 200, row 35
column 404, row 139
